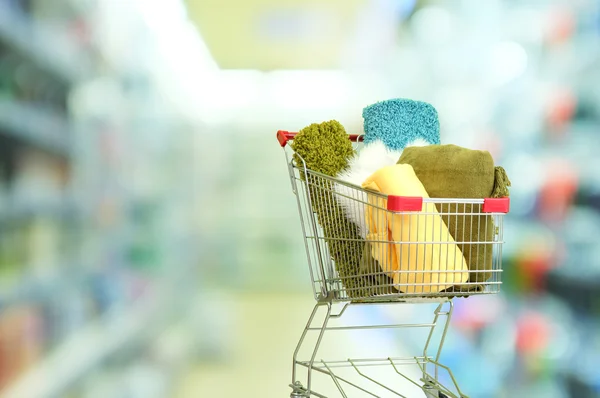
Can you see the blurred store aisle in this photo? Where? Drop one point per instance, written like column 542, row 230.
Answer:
column 138, row 166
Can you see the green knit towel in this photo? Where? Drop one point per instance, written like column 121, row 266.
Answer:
column 326, row 149
column 501, row 183
column 450, row 171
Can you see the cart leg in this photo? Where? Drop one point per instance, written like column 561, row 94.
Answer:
column 439, row 311
column 317, row 345
column 310, row 319
column 298, row 389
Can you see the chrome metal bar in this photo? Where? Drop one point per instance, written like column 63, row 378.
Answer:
column 366, row 327
column 374, row 381
column 302, row 337
column 370, row 362
column 437, row 364
column 320, row 256
column 406, row 242
column 413, row 300
column 317, row 345
column 334, row 378
column 424, row 272
column 403, row 375
column 307, row 175
column 338, row 315
column 428, row 341
column 348, row 382
column 448, row 315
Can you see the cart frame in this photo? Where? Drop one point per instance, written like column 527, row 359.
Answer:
column 335, row 293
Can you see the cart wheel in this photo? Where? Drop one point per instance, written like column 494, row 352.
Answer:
column 432, row 392
column 298, row 391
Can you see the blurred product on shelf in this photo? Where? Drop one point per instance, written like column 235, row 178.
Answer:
column 21, row 341
column 558, row 191
column 79, row 238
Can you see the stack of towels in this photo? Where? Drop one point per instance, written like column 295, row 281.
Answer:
column 380, row 252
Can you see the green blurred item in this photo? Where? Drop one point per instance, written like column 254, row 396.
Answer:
column 450, row 171
column 326, row 149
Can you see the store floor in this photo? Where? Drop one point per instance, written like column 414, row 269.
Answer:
column 258, row 364
column 261, row 337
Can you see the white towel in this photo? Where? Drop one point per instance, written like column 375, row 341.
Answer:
column 371, row 158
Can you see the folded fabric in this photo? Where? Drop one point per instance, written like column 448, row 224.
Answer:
column 371, row 158
column 397, row 239
column 396, row 122
column 326, row 149
column 450, row 171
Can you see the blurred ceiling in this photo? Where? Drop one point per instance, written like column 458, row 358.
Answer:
column 276, row 34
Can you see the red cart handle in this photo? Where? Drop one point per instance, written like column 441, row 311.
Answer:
column 284, row 136
column 415, row 203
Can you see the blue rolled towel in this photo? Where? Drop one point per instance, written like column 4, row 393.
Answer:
column 398, row 122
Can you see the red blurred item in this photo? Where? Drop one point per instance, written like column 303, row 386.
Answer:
column 473, row 316
column 558, row 191
column 533, row 333
column 561, row 109
column 560, row 26
column 488, row 140
column 20, row 343
column 533, row 268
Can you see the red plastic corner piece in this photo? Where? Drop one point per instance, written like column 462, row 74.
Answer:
column 404, row 203
column 282, row 138
column 496, row 205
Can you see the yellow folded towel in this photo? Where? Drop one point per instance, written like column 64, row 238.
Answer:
column 414, row 267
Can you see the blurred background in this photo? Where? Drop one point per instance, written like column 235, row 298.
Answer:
column 149, row 240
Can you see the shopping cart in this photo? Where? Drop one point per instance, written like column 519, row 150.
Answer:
column 426, row 266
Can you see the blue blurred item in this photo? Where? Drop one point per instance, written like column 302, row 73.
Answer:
column 578, row 286
column 580, row 388
column 397, row 122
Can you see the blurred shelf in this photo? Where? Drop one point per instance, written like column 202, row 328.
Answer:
column 577, row 285
column 18, row 213
column 87, row 348
column 35, row 126
column 37, row 287
column 47, row 49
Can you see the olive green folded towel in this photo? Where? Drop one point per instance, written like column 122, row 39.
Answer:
column 326, row 149
column 450, row 171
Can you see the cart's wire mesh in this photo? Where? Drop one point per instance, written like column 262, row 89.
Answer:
column 450, row 248
column 380, row 377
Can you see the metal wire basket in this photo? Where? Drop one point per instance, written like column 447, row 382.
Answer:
column 448, row 247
